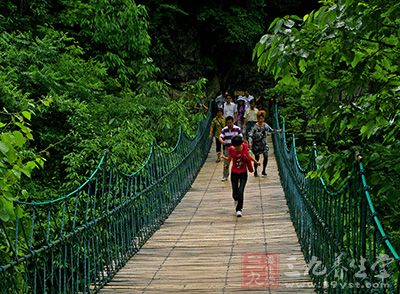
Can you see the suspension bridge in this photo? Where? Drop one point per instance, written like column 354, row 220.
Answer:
column 170, row 227
column 204, row 247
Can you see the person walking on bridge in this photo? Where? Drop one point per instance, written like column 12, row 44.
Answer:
column 220, row 100
column 227, row 133
column 240, row 110
column 258, row 141
column 230, row 107
column 250, row 118
column 239, row 154
column 217, row 124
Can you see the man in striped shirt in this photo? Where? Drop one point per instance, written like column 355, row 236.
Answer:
column 225, row 138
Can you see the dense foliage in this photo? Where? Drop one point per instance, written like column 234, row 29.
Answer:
column 77, row 79
column 337, row 73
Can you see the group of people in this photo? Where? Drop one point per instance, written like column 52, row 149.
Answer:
column 240, row 133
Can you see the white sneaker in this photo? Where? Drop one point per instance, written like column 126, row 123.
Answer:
column 238, row 213
column 224, row 179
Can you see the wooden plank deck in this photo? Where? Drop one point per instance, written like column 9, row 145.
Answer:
column 202, row 247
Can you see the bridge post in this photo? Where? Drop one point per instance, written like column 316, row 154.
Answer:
column 363, row 207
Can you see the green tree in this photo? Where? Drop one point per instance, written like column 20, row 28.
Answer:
column 92, row 59
column 343, row 60
column 16, row 160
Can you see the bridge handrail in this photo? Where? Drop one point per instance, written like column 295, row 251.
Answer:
column 374, row 214
column 50, row 201
column 77, row 242
column 359, row 233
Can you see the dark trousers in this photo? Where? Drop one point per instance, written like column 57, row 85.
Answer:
column 226, row 164
column 238, row 182
column 265, row 161
column 217, row 145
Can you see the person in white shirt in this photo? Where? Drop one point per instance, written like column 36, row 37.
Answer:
column 230, row 108
column 220, row 100
column 247, row 97
column 250, row 118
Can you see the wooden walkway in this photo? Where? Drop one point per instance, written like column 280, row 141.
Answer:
column 204, row 248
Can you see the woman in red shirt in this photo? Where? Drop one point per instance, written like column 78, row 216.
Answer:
column 239, row 154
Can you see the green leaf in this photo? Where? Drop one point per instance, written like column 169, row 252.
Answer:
column 295, row 17
column 358, row 56
column 19, row 212
column 28, row 167
column 369, row 129
column 29, row 136
column 3, row 148
column 19, row 138
column 336, row 177
column 27, row 115
column 6, row 210
column 302, row 65
column 25, row 193
column 40, row 161
column 16, row 172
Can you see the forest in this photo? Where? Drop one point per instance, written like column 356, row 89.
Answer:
column 79, row 77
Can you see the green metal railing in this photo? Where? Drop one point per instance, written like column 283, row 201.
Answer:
column 343, row 242
column 78, row 242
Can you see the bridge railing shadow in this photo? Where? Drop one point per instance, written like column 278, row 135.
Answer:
column 77, row 243
column 342, row 238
